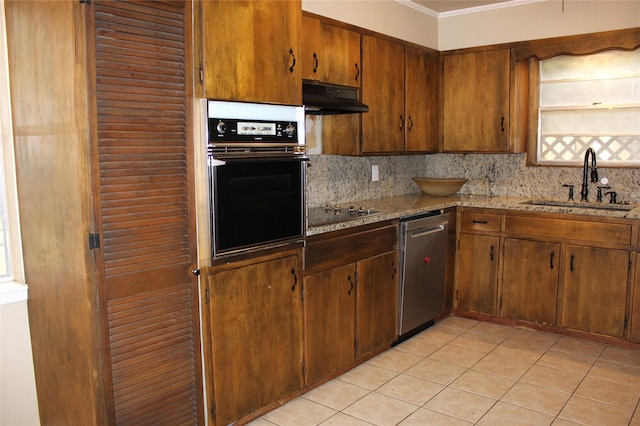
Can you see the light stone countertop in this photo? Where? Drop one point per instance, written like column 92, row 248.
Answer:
column 401, row 206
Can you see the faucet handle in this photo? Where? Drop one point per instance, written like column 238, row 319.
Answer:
column 599, row 196
column 570, row 191
column 614, row 197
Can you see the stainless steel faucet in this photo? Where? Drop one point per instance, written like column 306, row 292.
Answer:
column 584, row 193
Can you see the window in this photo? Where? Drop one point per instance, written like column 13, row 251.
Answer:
column 590, row 101
column 11, row 270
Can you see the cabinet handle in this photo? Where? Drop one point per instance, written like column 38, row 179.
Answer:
column 293, row 64
column 502, row 124
column 410, row 123
column 351, row 287
column 401, row 122
column 315, row 62
column 481, row 222
column 492, row 251
column 551, row 256
column 395, row 269
column 357, row 72
column 571, row 267
column 295, row 279
column 196, row 272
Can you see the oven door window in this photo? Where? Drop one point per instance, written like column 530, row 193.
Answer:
column 257, row 203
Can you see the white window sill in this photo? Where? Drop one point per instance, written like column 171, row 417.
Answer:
column 11, row 292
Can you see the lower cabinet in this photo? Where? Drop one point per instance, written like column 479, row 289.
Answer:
column 477, row 289
column 530, row 280
column 350, row 297
column 595, row 289
column 255, row 317
column 329, row 317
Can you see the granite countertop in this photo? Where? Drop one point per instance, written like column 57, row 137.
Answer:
column 417, row 203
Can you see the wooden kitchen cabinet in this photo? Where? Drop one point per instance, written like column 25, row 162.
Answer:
column 330, row 54
column 595, row 281
column 530, row 280
column 377, row 317
column 255, row 334
column 109, row 233
column 634, row 323
column 350, row 297
column 476, row 101
column 329, row 316
column 477, row 278
column 400, row 87
column 250, row 50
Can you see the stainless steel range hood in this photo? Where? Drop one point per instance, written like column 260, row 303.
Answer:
column 328, row 99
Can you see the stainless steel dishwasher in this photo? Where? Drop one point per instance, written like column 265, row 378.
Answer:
column 424, row 248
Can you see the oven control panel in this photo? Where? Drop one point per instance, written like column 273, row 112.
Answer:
column 234, row 131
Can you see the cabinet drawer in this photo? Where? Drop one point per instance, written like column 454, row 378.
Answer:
column 338, row 248
column 598, row 232
column 477, row 221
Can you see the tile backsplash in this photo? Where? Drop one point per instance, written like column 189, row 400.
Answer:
column 342, row 179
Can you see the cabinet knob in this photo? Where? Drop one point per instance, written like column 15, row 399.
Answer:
column 196, row 272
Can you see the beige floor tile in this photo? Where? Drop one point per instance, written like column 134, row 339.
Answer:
column 621, row 356
column 535, row 398
column 563, row 422
column 587, row 411
column 380, row 410
column 457, row 355
column 635, row 420
column 577, row 346
column 614, row 372
column 300, row 412
column 483, row 384
column 609, row 392
column 436, row 371
column 478, row 342
column 336, row 394
column 424, row 417
column 440, row 333
column 551, row 378
column 260, row 422
column 507, row 414
column 410, row 389
column 460, row 404
column 511, row 368
column 567, row 361
column 368, row 376
column 420, row 346
column 459, row 323
column 342, row 419
column 491, row 329
column 531, row 339
column 395, row 360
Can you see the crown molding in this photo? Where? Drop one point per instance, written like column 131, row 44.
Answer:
column 469, row 10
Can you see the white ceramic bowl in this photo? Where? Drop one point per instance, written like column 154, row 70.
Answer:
column 439, row 187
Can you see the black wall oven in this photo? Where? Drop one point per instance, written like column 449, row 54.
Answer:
column 256, row 160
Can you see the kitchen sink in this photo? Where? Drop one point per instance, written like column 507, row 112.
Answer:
column 580, row 204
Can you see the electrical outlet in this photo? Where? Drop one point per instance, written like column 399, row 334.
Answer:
column 375, row 173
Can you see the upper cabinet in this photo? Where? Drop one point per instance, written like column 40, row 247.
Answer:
column 400, row 85
column 330, row 54
column 250, row 51
column 476, row 102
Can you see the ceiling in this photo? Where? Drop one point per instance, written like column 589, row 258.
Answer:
column 436, row 7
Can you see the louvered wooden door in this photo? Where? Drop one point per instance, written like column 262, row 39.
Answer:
column 144, row 197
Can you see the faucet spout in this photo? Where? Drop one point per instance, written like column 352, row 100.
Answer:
column 584, row 193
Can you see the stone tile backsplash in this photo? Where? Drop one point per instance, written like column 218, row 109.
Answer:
column 343, row 179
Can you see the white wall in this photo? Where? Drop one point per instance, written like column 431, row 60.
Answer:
column 536, row 20
column 527, row 21
column 383, row 16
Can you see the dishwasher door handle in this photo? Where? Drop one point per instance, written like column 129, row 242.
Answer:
column 422, row 232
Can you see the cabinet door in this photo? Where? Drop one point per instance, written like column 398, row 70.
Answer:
column 311, row 48
column 421, row 98
column 530, row 280
column 376, row 303
column 329, row 321
column 476, row 101
column 383, row 90
column 250, row 50
column 256, row 336
column 341, row 56
column 635, row 305
column 477, row 273
column 595, row 289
